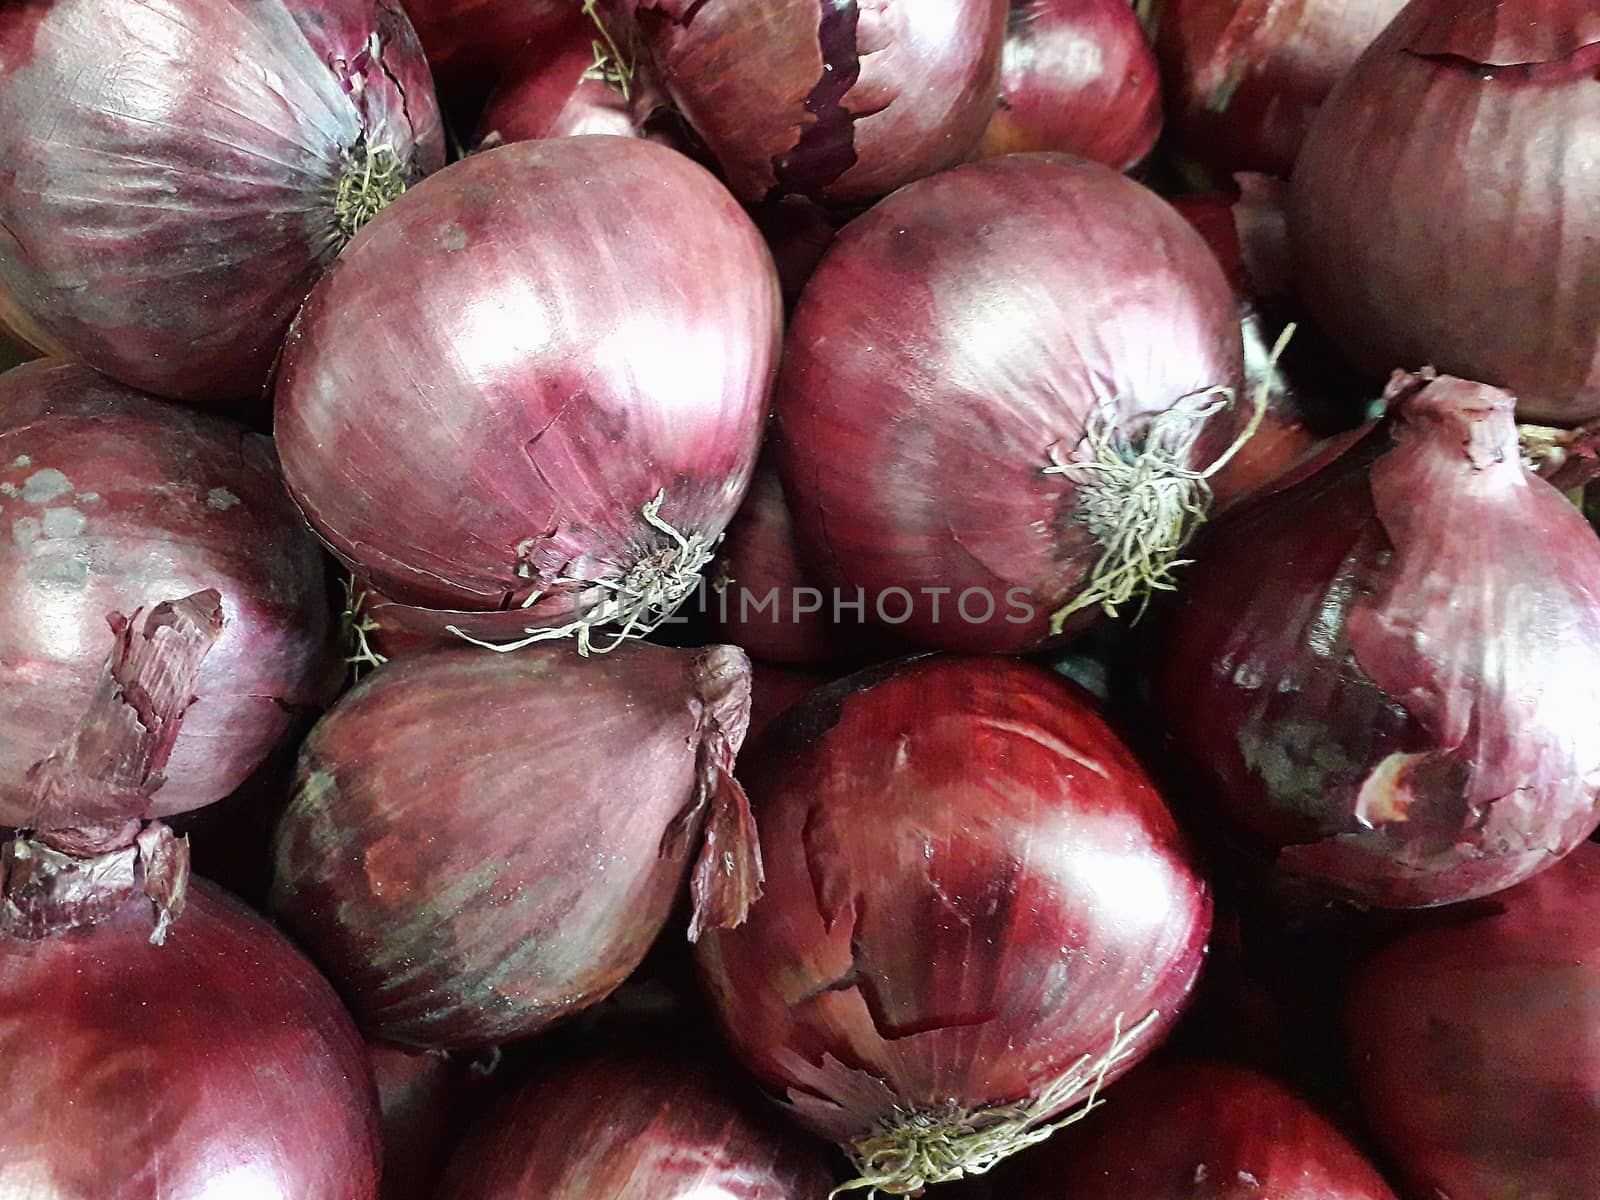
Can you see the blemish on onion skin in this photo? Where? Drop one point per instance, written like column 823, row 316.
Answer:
column 25, row 530
column 44, row 486
column 63, row 522
column 22, row 460
column 221, row 499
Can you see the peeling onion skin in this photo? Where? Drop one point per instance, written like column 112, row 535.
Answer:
column 1003, row 882
column 601, row 325
column 1473, row 1044
column 216, row 1066
column 483, row 844
column 1076, row 76
column 636, row 1124
column 1443, row 210
column 1383, row 678
column 166, row 200
column 950, row 339
column 115, row 501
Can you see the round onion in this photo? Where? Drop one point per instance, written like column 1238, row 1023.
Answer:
column 633, row 1124
column 1474, row 1049
column 994, row 402
column 178, row 175
column 977, row 908
column 111, row 501
column 551, row 434
column 1078, row 76
column 1383, row 677
column 464, row 887
column 427, row 1100
column 1443, row 208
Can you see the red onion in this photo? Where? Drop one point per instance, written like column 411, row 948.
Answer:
column 473, row 44
column 1244, row 78
column 977, row 910
column 111, row 501
column 633, row 1124
column 842, row 106
column 463, row 887
column 550, row 436
column 177, row 176
column 1474, row 1045
column 993, row 399
column 1078, row 76
column 1442, row 211
column 427, row 1100
column 1382, row 677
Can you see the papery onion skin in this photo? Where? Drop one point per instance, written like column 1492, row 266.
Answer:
column 953, row 345
column 217, row 1066
column 113, row 501
column 1076, row 76
column 1442, row 211
column 482, row 844
column 170, row 171
column 842, row 105
column 427, row 1100
column 1473, row 1045
column 634, row 1124
column 1380, row 678
column 473, row 446
column 970, row 882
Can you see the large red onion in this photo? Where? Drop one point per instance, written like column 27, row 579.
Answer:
column 552, row 433
column 1476, row 1047
column 976, row 906
column 995, row 395
column 1443, row 208
column 111, row 501
column 1383, row 677
column 481, row 844
column 1077, row 76
column 841, row 102
column 176, row 176
column 1244, row 78
column 634, row 1123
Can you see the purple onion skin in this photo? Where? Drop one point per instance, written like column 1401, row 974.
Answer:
column 1382, row 677
column 479, row 844
column 969, row 881
column 217, row 1066
column 1473, row 1045
column 115, row 501
column 636, row 1124
column 954, row 336
column 1443, row 209
column 470, row 445
column 165, row 199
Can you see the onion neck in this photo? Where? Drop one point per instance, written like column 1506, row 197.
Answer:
column 374, row 178
column 1456, row 415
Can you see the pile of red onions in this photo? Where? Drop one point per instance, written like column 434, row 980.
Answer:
column 482, row 844
column 1001, row 393
column 177, row 176
column 551, row 435
column 1443, row 208
column 977, row 910
column 1384, row 677
column 1474, row 1044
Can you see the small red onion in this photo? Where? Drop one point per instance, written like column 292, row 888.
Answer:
column 1474, row 1045
column 178, row 175
column 464, row 887
column 1382, row 678
column 551, row 435
column 977, row 909
column 427, row 1100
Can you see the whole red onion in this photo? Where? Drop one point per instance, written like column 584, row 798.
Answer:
column 977, row 908
column 481, row 844
column 427, row 1100
column 842, row 105
column 112, row 501
column 473, row 44
column 634, row 1123
column 176, row 176
column 1382, row 677
column 1077, row 76
column 1244, row 78
column 551, row 434
column 1443, row 209
column 995, row 402
column 1474, row 1045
